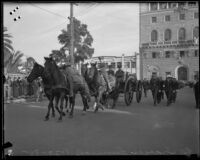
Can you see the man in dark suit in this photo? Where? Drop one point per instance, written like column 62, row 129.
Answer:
column 110, row 71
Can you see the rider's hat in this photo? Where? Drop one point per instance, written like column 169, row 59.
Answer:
column 119, row 66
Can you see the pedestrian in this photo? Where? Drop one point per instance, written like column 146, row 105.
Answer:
column 35, row 88
column 9, row 83
column 145, row 86
column 39, row 91
column 18, row 88
column 15, row 87
column 196, row 91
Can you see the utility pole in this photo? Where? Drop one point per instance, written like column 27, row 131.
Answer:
column 72, row 34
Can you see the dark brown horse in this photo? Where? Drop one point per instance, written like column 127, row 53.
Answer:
column 61, row 87
column 38, row 71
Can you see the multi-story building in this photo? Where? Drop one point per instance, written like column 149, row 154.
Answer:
column 169, row 39
column 128, row 63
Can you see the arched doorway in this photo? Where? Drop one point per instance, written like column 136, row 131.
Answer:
column 182, row 73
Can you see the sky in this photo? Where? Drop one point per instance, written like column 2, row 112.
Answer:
column 113, row 26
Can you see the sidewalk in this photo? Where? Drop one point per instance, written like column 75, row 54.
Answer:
column 21, row 100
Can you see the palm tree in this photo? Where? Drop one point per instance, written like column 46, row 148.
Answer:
column 14, row 62
column 7, row 44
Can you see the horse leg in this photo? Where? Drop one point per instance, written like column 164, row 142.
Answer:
column 56, row 106
column 66, row 103
column 61, row 106
column 115, row 100
column 49, row 107
column 85, row 104
column 72, row 104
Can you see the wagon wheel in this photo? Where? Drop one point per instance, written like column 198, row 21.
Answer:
column 139, row 91
column 128, row 93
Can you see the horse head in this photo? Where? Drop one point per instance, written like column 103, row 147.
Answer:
column 36, row 72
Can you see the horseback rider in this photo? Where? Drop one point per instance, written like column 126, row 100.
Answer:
column 102, row 69
column 66, row 69
column 119, row 75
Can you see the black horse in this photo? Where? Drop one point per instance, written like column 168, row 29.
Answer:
column 38, row 71
column 61, row 87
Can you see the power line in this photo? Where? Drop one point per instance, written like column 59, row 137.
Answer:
column 56, row 14
column 49, row 30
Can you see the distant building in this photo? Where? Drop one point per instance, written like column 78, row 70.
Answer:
column 169, row 39
column 128, row 62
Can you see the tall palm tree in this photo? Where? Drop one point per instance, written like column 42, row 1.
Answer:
column 7, row 44
column 14, row 62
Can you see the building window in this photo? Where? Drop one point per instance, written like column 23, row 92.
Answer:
column 167, row 18
column 181, row 4
column 182, row 16
column 167, row 35
column 153, row 54
column 113, row 64
column 167, row 54
column 191, row 4
column 127, row 65
column 172, row 5
column 119, row 64
column 196, row 15
column 133, row 64
column 163, row 5
column 196, row 32
column 167, row 73
column 153, row 19
column 182, row 54
column 144, row 55
column 196, row 53
column 153, row 6
column 154, row 36
column 181, row 34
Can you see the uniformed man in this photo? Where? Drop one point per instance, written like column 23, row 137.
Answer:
column 168, row 89
column 119, row 75
column 110, row 71
column 174, row 89
column 196, row 91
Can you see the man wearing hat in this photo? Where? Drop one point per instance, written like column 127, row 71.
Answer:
column 110, row 71
column 119, row 75
column 168, row 89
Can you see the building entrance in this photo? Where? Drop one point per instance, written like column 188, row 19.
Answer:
column 182, row 73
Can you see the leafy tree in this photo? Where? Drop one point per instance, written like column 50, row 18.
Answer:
column 7, row 45
column 82, row 43
column 14, row 62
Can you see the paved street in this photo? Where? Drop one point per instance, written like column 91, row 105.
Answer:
column 136, row 129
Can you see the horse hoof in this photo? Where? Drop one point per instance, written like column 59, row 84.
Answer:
column 46, row 119
column 63, row 114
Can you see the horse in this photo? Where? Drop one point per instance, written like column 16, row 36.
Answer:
column 60, row 83
column 38, row 71
column 97, row 86
column 156, row 89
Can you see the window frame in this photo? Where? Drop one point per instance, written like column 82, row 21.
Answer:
column 156, row 35
column 153, row 21
column 169, row 36
column 169, row 18
column 179, row 34
column 167, row 55
column 180, row 16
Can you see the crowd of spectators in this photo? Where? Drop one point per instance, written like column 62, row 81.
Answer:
column 18, row 87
